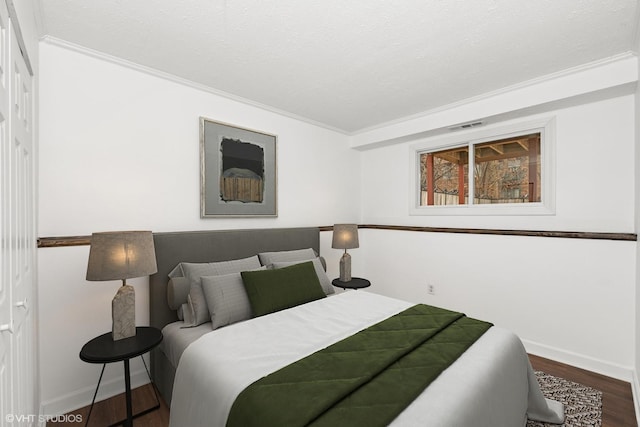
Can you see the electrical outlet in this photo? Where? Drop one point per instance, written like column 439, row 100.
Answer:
column 431, row 289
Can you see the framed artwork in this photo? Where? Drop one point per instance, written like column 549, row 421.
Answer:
column 237, row 171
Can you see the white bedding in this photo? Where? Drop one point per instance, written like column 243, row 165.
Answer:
column 492, row 384
column 177, row 338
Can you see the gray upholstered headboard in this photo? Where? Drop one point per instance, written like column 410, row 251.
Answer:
column 219, row 245
column 207, row 246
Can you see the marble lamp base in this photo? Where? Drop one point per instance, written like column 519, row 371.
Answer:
column 123, row 312
column 345, row 267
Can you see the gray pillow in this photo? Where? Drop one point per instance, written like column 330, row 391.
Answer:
column 199, row 269
column 195, row 271
column 227, row 299
column 327, row 287
column 187, row 313
column 177, row 292
column 267, row 258
column 198, row 306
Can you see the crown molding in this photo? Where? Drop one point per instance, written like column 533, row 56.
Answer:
column 181, row 81
column 189, row 83
column 507, row 89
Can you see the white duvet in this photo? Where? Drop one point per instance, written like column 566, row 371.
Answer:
column 491, row 384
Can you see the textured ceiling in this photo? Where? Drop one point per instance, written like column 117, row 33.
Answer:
column 355, row 64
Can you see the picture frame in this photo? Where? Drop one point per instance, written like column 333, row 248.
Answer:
column 238, row 171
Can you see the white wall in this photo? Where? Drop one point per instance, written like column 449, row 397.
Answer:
column 573, row 300
column 119, row 150
column 594, row 174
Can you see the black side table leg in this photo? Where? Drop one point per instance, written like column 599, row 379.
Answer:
column 127, row 384
column 128, row 397
column 94, row 395
column 155, row 391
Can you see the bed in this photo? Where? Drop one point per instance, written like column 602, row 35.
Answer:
column 201, row 372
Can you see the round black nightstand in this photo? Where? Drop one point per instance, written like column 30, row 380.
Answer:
column 354, row 283
column 104, row 349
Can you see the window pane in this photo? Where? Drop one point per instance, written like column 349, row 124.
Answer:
column 444, row 177
column 508, row 170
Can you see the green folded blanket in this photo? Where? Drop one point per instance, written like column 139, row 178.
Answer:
column 366, row 379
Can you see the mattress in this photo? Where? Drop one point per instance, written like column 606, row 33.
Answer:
column 491, row 384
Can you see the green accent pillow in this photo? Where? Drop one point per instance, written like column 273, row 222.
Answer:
column 275, row 290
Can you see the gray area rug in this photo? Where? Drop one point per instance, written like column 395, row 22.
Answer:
column 583, row 405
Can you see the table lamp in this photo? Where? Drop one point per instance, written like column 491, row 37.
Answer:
column 122, row 255
column 345, row 236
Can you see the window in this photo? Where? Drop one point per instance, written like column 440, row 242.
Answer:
column 491, row 172
column 443, row 177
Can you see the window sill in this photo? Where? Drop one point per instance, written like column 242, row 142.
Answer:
column 510, row 209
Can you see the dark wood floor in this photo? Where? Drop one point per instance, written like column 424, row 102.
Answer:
column 617, row 397
column 617, row 400
column 112, row 410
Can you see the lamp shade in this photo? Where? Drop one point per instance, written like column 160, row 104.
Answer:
column 345, row 236
column 121, row 255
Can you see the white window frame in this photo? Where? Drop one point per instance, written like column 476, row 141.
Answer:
column 546, row 206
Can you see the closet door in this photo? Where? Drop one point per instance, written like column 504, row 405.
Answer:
column 23, row 230
column 17, row 291
column 6, row 326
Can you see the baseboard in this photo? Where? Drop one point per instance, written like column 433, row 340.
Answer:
column 81, row 398
column 635, row 389
column 602, row 367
